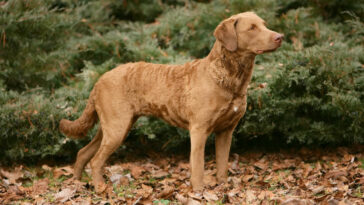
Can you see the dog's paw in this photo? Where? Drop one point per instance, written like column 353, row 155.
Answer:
column 100, row 188
column 198, row 188
column 221, row 180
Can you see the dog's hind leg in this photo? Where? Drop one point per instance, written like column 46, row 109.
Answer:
column 86, row 153
column 115, row 129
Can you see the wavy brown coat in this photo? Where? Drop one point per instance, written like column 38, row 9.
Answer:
column 205, row 96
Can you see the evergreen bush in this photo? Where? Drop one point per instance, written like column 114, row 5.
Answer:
column 309, row 92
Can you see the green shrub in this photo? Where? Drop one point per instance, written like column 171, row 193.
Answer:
column 315, row 97
column 30, row 35
column 29, row 122
column 52, row 52
column 328, row 9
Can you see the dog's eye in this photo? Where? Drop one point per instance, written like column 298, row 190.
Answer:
column 252, row 27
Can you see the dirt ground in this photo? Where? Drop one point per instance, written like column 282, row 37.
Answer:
column 304, row 176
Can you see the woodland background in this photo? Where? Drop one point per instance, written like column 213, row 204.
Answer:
column 308, row 93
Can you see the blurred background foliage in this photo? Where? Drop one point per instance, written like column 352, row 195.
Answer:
column 310, row 92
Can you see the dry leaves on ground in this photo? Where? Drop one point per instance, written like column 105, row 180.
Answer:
column 288, row 177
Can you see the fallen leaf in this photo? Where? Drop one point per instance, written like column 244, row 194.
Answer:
column 16, row 189
column 209, row 196
column 261, row 164
column 137, row 200
column 247, row 178
column 181, row 198
column 288, row 163
column 11, row 195
column 250, row 196
column 64, row 195
column 159, row 174
column 14, row 175
column 193, row 202
column 195, row 195
column 66, row 171
column 145, row 191
column 295, row 201
column 318, row 190
column 136, row 171
column 361, row 181
column 82, row 201
column 166, row 192
column 321, row 198
column 46, row 167
column 336, row 174
column 40, row 186
column 233, row 192
column 210, row 180
column 263, row 184
column 117, row 179
column 235, row 181
column 261, row 195
column 235, row 164
column 183, row 166
column 115, row 169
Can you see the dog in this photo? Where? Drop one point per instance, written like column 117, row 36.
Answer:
column 205, row 96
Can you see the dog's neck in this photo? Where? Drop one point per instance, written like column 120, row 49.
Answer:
column 231, row 70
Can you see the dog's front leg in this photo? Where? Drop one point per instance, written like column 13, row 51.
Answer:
column 222, row 147
column 198, row 141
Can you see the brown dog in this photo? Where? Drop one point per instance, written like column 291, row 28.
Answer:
column 204, row 96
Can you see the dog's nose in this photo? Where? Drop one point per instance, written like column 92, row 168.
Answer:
column 278, row 38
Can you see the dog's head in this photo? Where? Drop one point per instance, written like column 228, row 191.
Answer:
column 247, row 32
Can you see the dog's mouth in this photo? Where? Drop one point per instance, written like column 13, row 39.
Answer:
column 261, row 51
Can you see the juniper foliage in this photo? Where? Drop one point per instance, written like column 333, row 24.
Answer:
column 309, row 92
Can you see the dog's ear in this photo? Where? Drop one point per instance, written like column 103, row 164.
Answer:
column 226, row 34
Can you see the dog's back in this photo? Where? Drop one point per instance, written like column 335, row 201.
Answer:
column 151, row 89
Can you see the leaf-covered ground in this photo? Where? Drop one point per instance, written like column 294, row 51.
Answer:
column 334, row 176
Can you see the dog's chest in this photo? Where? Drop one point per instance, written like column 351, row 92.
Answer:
column 237, row 108
column 231, row 113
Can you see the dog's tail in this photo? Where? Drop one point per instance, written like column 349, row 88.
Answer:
column 79, row 127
